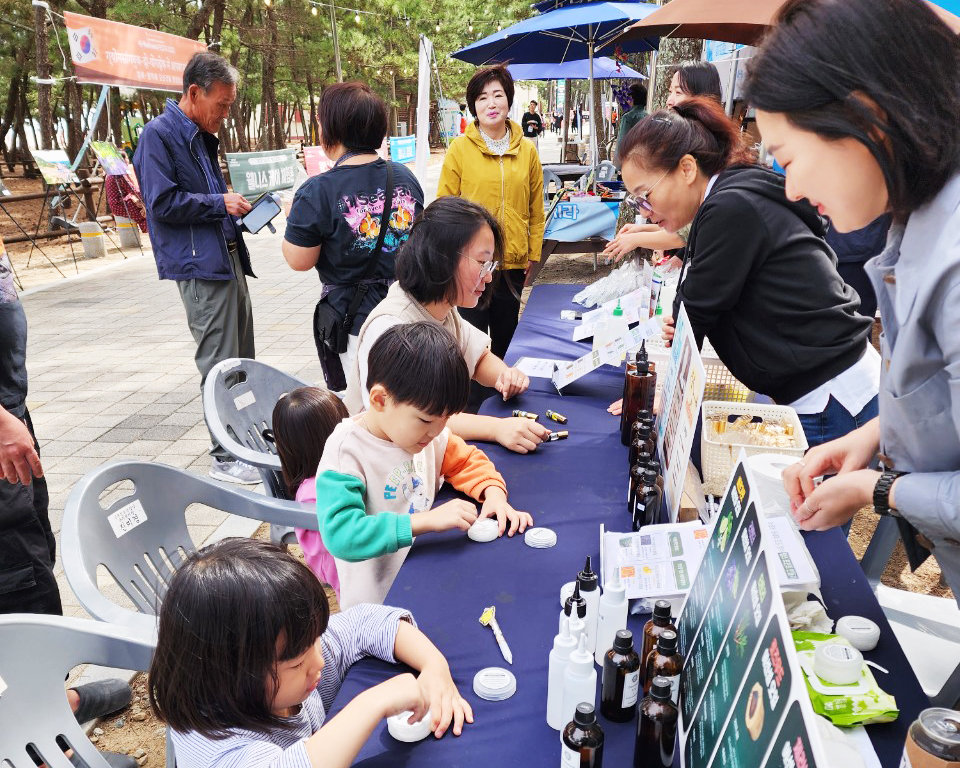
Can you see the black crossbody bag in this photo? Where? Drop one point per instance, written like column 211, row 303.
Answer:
column 331, row 332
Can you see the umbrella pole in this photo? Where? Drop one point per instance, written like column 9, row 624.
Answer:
column 593, row 114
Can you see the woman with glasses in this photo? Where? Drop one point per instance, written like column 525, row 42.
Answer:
column 758, row 279
column 690, row 79
column 493, row 165
column 448, row 264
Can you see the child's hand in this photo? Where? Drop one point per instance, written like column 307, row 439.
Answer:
column 443, row 699
column 519, row 434
column 454, row 514
column 510, row 382
column 495, row 505
column 400, row 693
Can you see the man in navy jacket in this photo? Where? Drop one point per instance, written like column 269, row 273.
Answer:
column 191, row 216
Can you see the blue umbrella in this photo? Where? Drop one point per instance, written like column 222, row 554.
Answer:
column 566, row 33
column 563, row 31
column 603, row 69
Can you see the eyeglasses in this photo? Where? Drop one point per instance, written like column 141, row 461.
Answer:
column 639, row 202
column 486, row 267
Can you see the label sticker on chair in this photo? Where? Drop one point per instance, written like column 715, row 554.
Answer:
column 127, row 518
column 245, row 400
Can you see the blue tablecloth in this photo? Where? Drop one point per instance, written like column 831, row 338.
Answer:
column 577, row 220
column 570, row 486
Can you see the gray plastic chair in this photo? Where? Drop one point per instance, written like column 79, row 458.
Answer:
column 37, row 652
column 142, row 556
column 606, row 171
column 238, row 399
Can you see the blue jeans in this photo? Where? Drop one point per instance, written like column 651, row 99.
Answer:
column 835, row 421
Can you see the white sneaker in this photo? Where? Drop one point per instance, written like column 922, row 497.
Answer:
column 234, row 471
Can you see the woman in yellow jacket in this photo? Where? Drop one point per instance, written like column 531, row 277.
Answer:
column 494, row 165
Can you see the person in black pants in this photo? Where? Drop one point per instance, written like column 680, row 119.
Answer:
column 27, row 545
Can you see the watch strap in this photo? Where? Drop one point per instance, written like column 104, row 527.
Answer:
column 881, row 493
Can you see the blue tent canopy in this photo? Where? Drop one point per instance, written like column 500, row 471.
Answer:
column 603, row 69
column 567, row 33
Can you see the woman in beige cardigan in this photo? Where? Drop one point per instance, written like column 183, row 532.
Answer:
column 448, row 262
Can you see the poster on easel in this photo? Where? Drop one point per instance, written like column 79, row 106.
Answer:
column 111, row 159
column 742, row 692
column 54, row 166
column 684, row 381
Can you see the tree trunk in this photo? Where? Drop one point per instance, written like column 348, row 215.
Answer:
column 313, row 111
column 566, row 120
column 43, row 73
column 597, row 126
column 272, row 126
column 73, row 109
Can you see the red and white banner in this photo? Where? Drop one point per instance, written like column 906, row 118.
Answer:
column 110, row 53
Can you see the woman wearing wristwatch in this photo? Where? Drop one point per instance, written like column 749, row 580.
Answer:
column 864, row 125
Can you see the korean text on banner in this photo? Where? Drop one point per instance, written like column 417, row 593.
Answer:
column 252, row 173
column 110, row 53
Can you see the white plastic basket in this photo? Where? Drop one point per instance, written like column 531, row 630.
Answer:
column 720, row 383
column 718, row 459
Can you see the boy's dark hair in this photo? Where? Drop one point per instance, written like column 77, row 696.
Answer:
column 638, row 92
column 699, row 78
column 894, row 86
column 427, row 263
column 697, row 127
column 420, row 364
column 479, row 81
column 302, row 421
column 351, row 114
column 226, row 609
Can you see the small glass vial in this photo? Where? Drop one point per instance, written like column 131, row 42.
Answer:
column 665, row 661
column 621, row 679
column 656, row 728
column 581, row 743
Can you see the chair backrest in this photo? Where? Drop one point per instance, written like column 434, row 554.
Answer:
column 140, row 535
column 238, row 399
column 606, row 171
column 37, row 651
column 549, row 176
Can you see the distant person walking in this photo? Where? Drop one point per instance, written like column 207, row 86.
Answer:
column 195, row 236
column 532, row 124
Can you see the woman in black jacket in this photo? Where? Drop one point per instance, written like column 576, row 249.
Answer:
column 758, row 280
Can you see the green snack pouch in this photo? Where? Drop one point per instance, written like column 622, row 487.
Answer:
column 843, row 705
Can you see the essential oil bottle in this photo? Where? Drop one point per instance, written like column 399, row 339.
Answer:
column 659, row 621
column 656, row 728
column 665, row 661
column 581, row 744
column 621, row 679
column 647, row 501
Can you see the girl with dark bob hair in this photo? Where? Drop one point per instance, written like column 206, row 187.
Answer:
column 866, row 124
column 759, row 281
column 336, row 218
column 249, row 660
column 447, row 265
column 302, row 421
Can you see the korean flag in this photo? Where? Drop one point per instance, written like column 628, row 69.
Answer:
column 82, row 48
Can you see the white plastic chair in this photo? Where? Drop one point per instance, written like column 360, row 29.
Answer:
column 142, row 538
column 238, row 399
column 37, row 651
column 928, row 628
